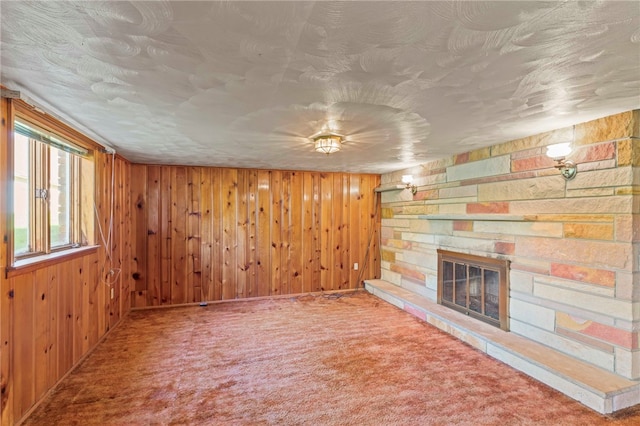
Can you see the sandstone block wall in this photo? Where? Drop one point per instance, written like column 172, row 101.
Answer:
column 574, row 246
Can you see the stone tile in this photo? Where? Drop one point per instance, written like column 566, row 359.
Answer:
column 532, row 163
column 539, row 140
column 489, row 167
column 598, row 254
column 570, row 217
column 418, row 209
column 541, row 229
column 504, row 247
column 589, row 398
column 535, row 315
column 625, row 156
column 386, row 213
column 589, row 231
column 408, row 271
column 585, row 339
column 605, row 129
column 628, row 363
column 575, row 349
column 592, row 206
column 458, row 192
column 607, row 306
column 493, row 207
column 430, row 194
column 585, row 274
column 520, row 282
column 419, row 313
column 601, row 178
column 591, row 153
column 391, row 277
column 463, row 225
column 523, row 189
column 626, row 285
column 437, row 227
column 388, row 256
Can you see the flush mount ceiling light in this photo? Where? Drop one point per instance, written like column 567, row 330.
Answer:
column 558, row 152
column 327, row 142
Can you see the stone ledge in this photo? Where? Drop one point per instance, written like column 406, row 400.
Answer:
column 598, row 389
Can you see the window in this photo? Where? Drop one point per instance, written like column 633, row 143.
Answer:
column 51, row 176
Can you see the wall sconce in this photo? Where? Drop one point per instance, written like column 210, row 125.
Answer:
column 558, row 152
column 408, row 180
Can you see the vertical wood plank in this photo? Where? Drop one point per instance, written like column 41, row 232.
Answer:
column 154, row 293
column 307, row 225
column 316, row 240
column 76, row 279
column 354, row 231
column 296, row 233
column 252, row 210
column 24, row 359
column 229, row 233
column 6, row 302
column 42, row 331
column 337, row 265
column 263, row 256
column 166, row 235
column 194, row 271
column 345, row 227
column 179, row 235
column 276, row 232
column 285, row 234
column 206, row 225
column 242, row 238
column 65, row 317
column 139, row 198
column 326, row 234
column 218, row 257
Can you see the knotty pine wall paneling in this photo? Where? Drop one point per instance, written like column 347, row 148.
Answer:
column 206, row 234
column 53, row 314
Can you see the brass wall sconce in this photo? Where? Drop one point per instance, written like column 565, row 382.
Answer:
column 408, row 180
column 558, row 152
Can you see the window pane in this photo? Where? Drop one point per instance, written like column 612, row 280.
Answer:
column 491, row 296
column 59, row 197
column 447, row 281
column 475, row 289
column 21, row 200
column 461, row 285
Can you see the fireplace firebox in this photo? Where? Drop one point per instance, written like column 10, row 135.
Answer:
column 474, row 285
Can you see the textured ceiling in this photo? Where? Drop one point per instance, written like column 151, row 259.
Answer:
column 243, row 84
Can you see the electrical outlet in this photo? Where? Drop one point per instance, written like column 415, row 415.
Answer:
column 355, row 266
column 113, row 292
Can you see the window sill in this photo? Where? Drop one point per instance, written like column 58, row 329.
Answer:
column 31, row 264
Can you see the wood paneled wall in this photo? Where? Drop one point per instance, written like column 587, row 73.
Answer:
column 205, row 234
column 52, row 315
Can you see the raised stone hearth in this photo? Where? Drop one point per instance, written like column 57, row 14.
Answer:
column 594, row 387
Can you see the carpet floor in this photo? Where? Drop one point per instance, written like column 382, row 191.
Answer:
column 339, row 359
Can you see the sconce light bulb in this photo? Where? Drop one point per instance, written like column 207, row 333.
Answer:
column 559, row 150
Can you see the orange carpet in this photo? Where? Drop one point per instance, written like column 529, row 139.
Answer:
column 341, row 359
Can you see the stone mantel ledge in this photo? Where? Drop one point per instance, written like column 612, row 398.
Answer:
column 474, row 217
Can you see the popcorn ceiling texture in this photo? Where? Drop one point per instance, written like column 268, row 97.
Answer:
column 244, row 84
